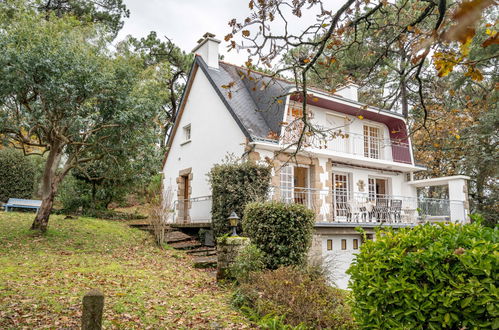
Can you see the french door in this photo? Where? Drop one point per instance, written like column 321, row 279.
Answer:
column 341, row 194
column 295, row 184
column 378, row 188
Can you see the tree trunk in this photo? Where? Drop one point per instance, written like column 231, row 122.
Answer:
column 403, row 83
column 403, row 97
column 42, row 217
column 50, row 182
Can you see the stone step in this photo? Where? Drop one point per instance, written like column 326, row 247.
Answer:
column 177, row 236
column 205, row 261
column 203, row 251
column 186, row 245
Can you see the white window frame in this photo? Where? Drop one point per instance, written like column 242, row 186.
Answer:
column 371, row 151
column 337, row 213
column 187, row 132
column 388, row 185
column 287, row 179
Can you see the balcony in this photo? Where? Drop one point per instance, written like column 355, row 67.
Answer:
column 342, row 208
column 334, row 207
column 352, row 144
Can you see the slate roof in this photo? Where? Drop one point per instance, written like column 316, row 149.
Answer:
column 252, row 102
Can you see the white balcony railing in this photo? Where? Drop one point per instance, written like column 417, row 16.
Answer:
column 334, row 207
column 331, row 206
column 352, row 144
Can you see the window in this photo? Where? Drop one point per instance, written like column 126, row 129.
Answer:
column 329, row 244
column 372, row 142
column 355, row 244
column 408, row 176
column 187, row 133
column 343, row 244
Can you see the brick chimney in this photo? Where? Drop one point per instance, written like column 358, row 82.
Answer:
column 207, row 48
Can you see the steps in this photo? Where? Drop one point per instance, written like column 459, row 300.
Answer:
column 205, row 262
column 203, row 256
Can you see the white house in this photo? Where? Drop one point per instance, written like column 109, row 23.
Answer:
column 358, row 174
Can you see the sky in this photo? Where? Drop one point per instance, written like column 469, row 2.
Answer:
column 185, row 21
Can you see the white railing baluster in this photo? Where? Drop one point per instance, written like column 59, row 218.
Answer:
column 360, row 207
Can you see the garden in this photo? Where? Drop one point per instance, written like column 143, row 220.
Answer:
column 431, row 276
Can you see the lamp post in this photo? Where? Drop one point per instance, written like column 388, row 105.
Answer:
column 233, row 220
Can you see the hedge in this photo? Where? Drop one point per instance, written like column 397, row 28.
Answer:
column 17, row 175
column 233, row 186
column 428, row 277
column 282, row 231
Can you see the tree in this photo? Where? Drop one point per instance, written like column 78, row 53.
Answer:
column 61, row 91
column 171, row 66
column 430, row 27
column 462, row 130
column 114, row 176
column 109, row 13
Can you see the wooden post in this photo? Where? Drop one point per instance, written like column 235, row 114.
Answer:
column 93, row 305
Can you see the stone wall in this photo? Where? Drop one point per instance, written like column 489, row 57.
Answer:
column 227, row 250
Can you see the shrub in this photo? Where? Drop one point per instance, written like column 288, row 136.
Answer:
column 233, row 186
column 298, row 297
column 282, row 231
column 428, row 277
column 74, row 194
column 17, row 175
column 249, row 260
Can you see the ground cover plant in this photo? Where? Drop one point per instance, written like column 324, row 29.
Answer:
column 43, row 278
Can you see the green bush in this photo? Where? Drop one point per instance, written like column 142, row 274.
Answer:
column 428, row 277
column 282, row 231
column 233, row 186
column 17, row 175
column 250, row 259
column 74, row 194
column 297, row 297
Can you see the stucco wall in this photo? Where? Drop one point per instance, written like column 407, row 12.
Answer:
column 337, row 260
column 214, row 134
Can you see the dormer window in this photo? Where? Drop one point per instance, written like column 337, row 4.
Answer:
column 187, row 133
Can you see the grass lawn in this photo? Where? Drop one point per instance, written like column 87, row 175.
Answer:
column 43, row 278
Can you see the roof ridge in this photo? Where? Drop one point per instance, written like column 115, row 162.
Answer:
column 257, row 72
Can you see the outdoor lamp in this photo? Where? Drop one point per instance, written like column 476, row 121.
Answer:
column 233, row 220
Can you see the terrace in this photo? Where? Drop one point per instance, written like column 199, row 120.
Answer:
column 333, row 207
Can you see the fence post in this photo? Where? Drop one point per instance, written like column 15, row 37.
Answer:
column 93, row 305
